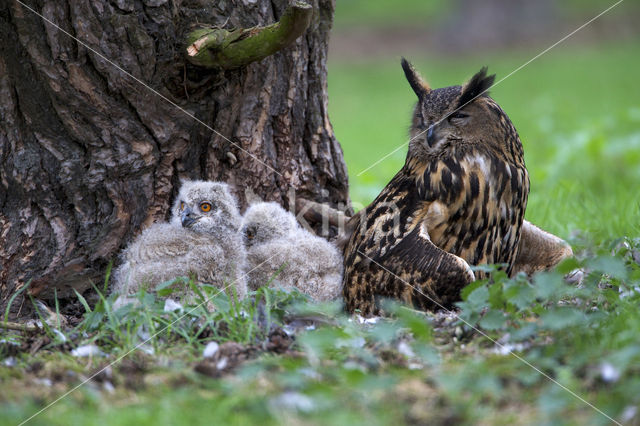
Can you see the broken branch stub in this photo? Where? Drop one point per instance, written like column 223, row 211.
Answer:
column 316, row 212
column 220, row 48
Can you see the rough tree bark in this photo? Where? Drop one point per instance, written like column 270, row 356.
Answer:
column 89, row 156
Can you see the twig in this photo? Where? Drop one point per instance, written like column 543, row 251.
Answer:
column 316, row 213
column 26, row 328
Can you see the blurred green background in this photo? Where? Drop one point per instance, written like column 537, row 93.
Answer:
column 576, row 107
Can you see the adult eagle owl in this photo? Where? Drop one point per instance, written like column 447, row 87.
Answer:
column 459, row 200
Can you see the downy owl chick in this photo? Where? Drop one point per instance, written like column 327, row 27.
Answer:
column 276, row 244
column 201, row 241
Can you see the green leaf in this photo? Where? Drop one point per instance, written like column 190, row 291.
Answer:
column 414, row 321
column 322, row 342
column 468, row 313
column 493, row 320
column 384, row 331
column 464, row 294
column 427, row 353
column 561, row 317
column 568, row 265
column 496, row 296
column 625, row 357
column 521, row 294
column 95, row 320
column 525, row 331
column 612, row 266
column 478, row 298
column 552, row 400
column 547, row 284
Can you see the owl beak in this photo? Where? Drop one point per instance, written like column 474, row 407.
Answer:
column 188, row 218
column 431, row 136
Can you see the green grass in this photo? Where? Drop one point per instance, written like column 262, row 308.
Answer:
column 368, row 13
column 410, row 367
column 577, row 110
column 351, row 14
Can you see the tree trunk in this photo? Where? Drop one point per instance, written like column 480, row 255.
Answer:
column 89, row 156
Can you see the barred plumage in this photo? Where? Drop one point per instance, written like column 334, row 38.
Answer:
column 459, row 200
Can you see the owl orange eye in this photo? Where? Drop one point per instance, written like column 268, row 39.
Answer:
column 181, row 205
column 205, row 207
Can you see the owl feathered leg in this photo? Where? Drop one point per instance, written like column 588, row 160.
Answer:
column 539, row 250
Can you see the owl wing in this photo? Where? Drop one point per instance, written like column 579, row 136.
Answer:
column 414, row 270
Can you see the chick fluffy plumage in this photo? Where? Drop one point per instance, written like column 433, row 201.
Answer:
column 201, row 241
column 276, row 244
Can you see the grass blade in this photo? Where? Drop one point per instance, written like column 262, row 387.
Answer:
column 13, row 297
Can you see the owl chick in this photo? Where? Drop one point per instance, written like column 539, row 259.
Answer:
column 277, row 245
column 459, row 200
column 201, row 241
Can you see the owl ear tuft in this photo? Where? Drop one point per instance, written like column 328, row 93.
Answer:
column 477, row 86
column 418, row 85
